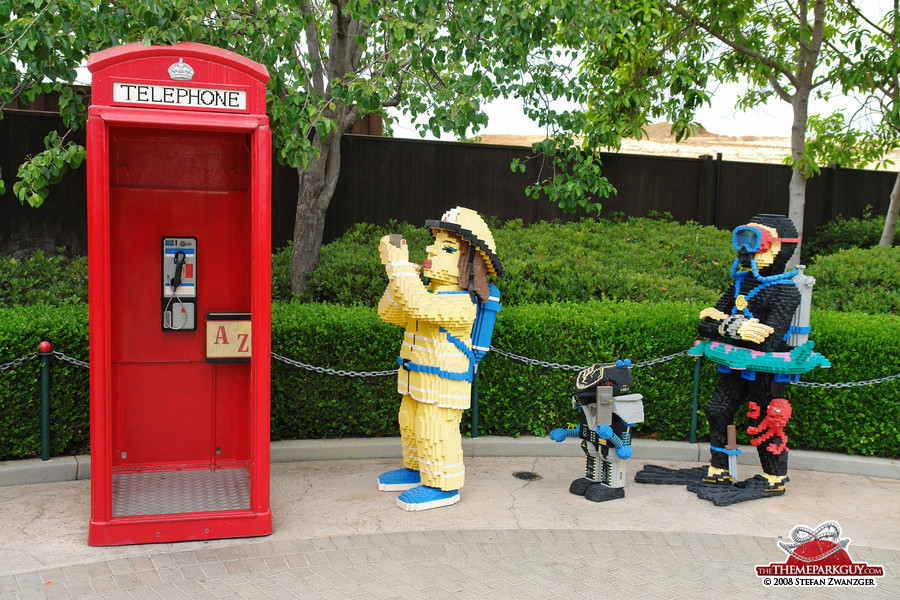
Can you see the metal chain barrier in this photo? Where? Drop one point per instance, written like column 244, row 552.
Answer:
column 553, row 365
column 17, row 361
column 324, row 371
column 537, row 363
column 845, row 385
column 69, row 359
column 656, row 361
column 511, row 355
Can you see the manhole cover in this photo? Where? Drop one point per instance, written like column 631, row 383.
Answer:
column 526, row 476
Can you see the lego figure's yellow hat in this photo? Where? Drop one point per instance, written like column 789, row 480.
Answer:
column 468, row 224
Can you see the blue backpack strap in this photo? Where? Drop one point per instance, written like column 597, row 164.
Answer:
column 482, row 331
column 452, row 375
column 460, row 345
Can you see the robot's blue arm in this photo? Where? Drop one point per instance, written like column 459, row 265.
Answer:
column 623, row 450
column 558, row 435
column 604, row 432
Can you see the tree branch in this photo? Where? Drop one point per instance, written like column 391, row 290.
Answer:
column 355, row 49
column 779, row 89
column 393, row 102
column 337, row 48
column 733, row 44
column 315, row 50
column 17, row 91
column 349, row 119
column 24, row 31
column 808, row 66
column 398, row 96
column 849, row 4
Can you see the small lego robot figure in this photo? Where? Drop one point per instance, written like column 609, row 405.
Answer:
column 607, row 412
column 747, row 335
column 448, row 327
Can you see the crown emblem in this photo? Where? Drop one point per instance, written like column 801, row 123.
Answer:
column 801, row 535
column 181, row 71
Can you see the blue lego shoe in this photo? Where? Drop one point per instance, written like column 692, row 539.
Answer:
column 398, row 480
column 424, row 497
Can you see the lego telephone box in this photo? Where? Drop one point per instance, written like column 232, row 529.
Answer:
column 179, row 252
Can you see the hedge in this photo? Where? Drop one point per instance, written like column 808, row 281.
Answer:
column 639, row 259
column 42, row 279
column 843, row 234
column 22, row 328
column 516, row 398
column 864, row 280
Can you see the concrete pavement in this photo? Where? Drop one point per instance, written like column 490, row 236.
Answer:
column 336, row 536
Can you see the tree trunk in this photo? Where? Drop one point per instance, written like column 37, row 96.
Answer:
column 309, row 224
column 317, row 185
column 797, row 188
column 317, row 182
column 890, row 221
column 796, row 208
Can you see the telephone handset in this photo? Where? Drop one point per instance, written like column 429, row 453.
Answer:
column 179, row 285
column 179, row 268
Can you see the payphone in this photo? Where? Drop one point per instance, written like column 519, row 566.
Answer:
column 179, row 285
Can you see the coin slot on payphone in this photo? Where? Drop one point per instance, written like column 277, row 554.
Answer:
column 179, row 283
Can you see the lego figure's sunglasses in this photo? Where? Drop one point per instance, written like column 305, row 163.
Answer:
column 755, row 239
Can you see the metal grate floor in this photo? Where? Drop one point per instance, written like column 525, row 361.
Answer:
column 168, row 492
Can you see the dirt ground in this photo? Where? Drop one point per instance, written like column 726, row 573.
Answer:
column 661, row 142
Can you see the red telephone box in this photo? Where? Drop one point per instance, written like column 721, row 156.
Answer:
column 179, row 253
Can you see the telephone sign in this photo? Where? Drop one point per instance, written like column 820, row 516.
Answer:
column 178, row 96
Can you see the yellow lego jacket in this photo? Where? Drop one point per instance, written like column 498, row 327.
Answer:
column 434, row 362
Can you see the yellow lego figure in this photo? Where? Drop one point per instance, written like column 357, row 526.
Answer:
column 437, row 358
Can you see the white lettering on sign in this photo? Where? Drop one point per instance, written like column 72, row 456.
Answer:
column 176, row 95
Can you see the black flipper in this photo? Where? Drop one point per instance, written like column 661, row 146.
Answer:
column 666, row 476
column 750, row 489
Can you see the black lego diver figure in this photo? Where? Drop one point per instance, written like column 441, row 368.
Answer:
column 753, row 316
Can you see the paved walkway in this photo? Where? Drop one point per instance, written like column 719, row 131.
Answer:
column 336, row 536
column 501, row 564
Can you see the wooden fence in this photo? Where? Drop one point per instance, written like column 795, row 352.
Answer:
column 414, row 180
